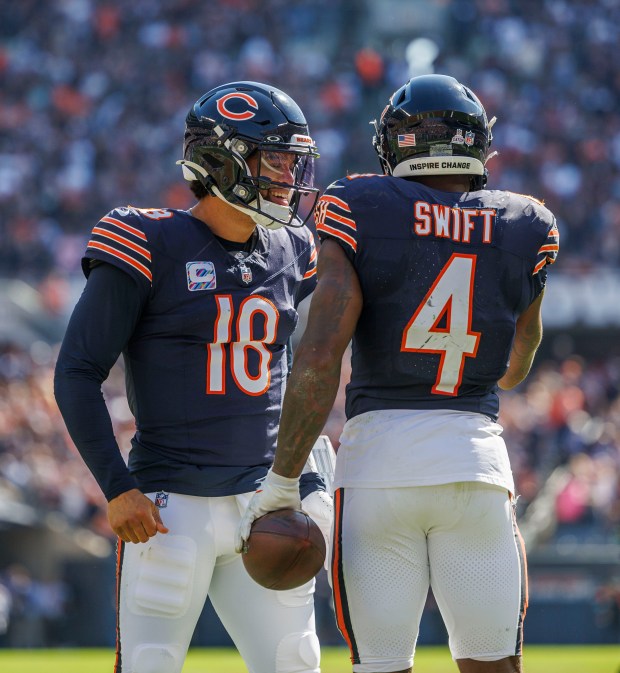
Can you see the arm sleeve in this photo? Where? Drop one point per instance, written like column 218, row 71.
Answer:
column 100, row 327
column 546, row 255
column 334, row 219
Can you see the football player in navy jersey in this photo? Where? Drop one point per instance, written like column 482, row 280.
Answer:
column 201, row 304
column 439, row 282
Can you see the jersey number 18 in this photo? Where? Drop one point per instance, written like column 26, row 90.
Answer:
column 245, row 341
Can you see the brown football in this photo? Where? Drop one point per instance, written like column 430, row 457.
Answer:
column 285, row 549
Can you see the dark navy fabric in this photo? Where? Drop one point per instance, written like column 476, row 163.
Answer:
column 203, row 332
column 415, row 250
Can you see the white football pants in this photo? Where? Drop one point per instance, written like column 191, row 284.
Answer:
column 391, row 544
column 163, row 585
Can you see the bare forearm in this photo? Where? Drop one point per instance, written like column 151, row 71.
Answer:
column 522, row 356
column 310, row 395
column 315, row 378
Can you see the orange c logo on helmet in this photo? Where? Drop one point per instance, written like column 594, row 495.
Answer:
column 237, row 116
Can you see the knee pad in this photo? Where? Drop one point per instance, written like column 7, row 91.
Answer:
column 157, row 659
column 320, row 508
column 164, row 576
column 298, row 653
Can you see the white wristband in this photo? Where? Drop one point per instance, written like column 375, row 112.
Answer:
column 280, row 481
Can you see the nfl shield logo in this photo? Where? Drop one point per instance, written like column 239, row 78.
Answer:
column 246, row 273
column 469, row 138
column 161, row 499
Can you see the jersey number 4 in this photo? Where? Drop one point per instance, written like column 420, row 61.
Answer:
column 442, row 323
column 252, row 309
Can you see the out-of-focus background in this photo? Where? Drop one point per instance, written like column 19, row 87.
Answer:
column 93, row 96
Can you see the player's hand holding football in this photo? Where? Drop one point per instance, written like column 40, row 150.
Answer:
column 134, row 518
column 274, row 492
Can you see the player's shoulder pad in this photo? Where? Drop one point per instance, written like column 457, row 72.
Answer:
column 353, row 183
column 544, row 235
column 534, row 210
column 300, row 236
column 298, row 231
column 142, row 217
column 298, row 240
column 122, row 238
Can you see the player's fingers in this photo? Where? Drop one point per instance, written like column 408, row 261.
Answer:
column 243, row 533
column 147, row 524
column 120, row 533
column 127, row 534
column 142, row 534
column 160, row 527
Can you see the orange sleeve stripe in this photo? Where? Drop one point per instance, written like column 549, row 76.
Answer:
column 125, row 258
column 339, row 218
column 336, row 201
column 123, row 241
column 309, row 273
column 539, row 266
column 550, row 247
column 126, row 227
column 349, row 240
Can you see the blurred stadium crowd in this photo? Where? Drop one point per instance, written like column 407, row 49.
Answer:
column 92, row 105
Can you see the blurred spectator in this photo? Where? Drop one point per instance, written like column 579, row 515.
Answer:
column 573, row 503
column 25, row 626
column 89, row 114
column 87, row 110
column 31, row 610
column 6, row 605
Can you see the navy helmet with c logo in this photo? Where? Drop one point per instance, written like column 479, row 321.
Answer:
column 234, row 121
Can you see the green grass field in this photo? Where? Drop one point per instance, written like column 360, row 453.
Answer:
column 538, row 659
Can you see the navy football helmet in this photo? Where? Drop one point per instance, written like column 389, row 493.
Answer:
column 434, row 125
column 233, row 122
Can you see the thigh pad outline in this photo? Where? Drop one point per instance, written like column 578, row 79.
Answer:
column 164, row 577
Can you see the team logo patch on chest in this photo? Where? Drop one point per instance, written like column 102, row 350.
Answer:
column 200, row 276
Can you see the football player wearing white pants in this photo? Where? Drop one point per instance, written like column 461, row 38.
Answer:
column 163, row 585
column 439, row 284
column 202, row 304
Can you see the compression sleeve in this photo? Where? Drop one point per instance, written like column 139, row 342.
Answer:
column 99, row 328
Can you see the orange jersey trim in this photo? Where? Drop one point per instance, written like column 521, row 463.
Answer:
column 328, row 198
column 123, row 241
column 122, row 256
column 339, row 218
column 126, row 227
column 349, row 240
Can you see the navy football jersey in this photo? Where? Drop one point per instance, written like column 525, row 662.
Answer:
column 206, row 365
column 444, row 278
